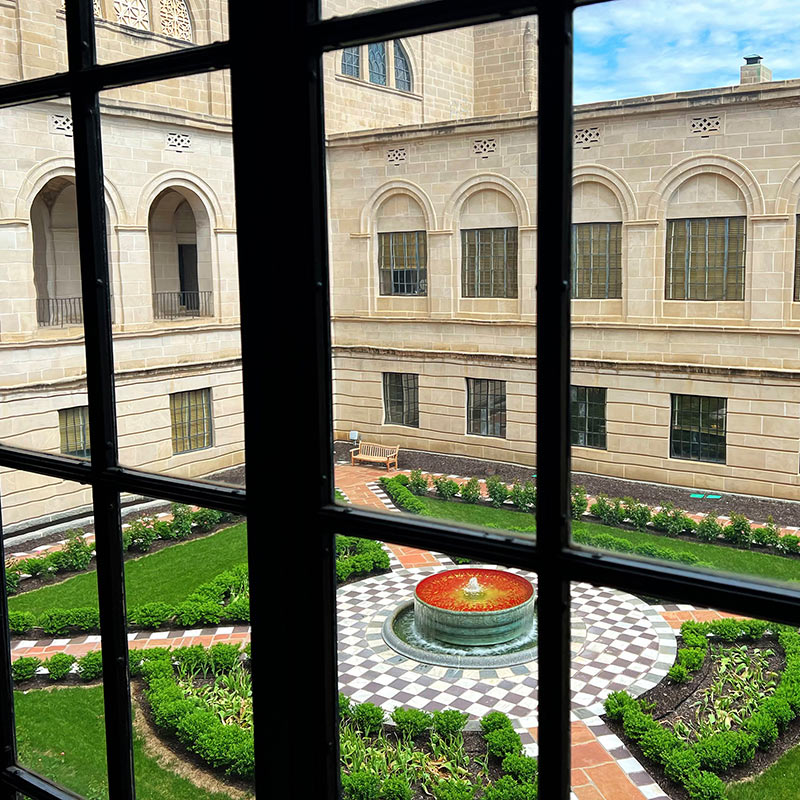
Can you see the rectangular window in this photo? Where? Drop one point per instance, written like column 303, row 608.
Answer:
column 351, row 61
column 401, row 398
column 698, row 428
column 597, row 260
column 705, row 258
column 489, row 262
column 73, row 425
column 486, row 407
column 190, row 413
column 588, row 416
column 403, row 261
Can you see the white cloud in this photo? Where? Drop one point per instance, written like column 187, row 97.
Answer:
column 629, row 48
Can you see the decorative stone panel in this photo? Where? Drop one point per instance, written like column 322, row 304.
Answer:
column 179, row 142
column 586, row 137
column 133, row 13
column 175, row 20
column 484, row 147
column 705, row 126
column 60, row 123
column 396, row 156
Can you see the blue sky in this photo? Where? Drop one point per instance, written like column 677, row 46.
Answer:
column 629, row 48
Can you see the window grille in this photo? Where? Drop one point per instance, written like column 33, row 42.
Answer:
column 376, row 56
column 401, row 398
column 351, row 61
column 705, row 258
column 705, row 126
column 489, row 262
column 484, row 147
column 73, row 425
column 698, row 428
column 486, row 407
column 179, row 142
column 402, row 261
column 396, row 156
column 133, row 13
column 60, row 123
column 175, row 20
column 597, row 260
column 586, row 137
column 588, row 416
column 190, row 413
column 402, row 70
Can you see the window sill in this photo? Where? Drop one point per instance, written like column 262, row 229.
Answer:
column 388, row 89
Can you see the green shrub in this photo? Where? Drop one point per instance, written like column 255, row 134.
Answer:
column 470, row 491
column 141, row 534
column 12, row 578
column 90, row 666
column 151, row 615
column 704, row 786
column 678, row 673
column 78, row 551
column 727, row 629
column 418, row 483
column 779, row 707
column 616, row 703
column 694, row 634
column 454, row 790
column 344, row 706
column 59, row 665
column 495, row 720
column 724, row 750
column 605, row 541
column 636, row 723
column 763, row 727
column 20, row 621
column 523, row 496
column 191, row 613
column 449, row 722
column 679, row 763
column 506, row 788
column 638, row 513
column 790, row 543
column 24, row 668
column 192, row 658
column 709, row 529
column 367, row 717
column 497, row 490
column 523, row 768
column 691, row 657
column 578, row 502
column 395, row 787
column 657, row 742
column 181, row 523
column 446, row 488
column 401, row 496
column 610, row 512
column 503, row 742
column 206, row 518
column 738, row 530
column 411, row 722
column 223, row 657
column 83, row 619
column 672, row 521
column 768, row 535
column 55, row 621
column 239, row 609
column 34, row 567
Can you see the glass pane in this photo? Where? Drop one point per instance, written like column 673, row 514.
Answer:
column 41, row 310
column 702, row 425
column 135, row 28
column 433, row 275
column 177, row 355
column 439, row 698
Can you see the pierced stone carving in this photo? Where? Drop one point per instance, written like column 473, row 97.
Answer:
column 586, row 137
column 180, row 142
column 705, row 126
column 484, row 147
column 60, row 123
column 133, row 13
column 396, row 156
column 175, row 20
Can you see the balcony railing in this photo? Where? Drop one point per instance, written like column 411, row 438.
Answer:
column 59, row 311
column 174, row 305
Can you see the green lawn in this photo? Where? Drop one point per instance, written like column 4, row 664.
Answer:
column 779, row 782
column 745, row 562
column 60, row 733
column 168, row 575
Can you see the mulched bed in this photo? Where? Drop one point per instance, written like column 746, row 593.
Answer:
column 673, row 701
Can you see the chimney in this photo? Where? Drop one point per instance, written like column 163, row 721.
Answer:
column 754, row 71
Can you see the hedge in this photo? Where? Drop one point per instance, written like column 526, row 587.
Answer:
column 356, row 556
column 397, row 489
column 606, row 541
column 694, row 766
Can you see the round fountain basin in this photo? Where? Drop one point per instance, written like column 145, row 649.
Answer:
column 502, row 611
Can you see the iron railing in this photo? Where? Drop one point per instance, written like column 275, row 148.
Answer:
column 59, row 311
column 173, row 305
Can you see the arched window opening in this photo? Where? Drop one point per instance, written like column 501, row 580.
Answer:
column 402, row 69
column 180, row 256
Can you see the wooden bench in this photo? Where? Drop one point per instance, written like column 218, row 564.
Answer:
column 379, row 453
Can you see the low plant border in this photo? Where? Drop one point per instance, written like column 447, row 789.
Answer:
column 689, row 765
column 368, row 558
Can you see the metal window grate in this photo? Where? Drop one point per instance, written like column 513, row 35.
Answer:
column 402, row 70
column 190, row 413
column 588, row 416
column 698, row 428
column 705, row 258
column 402, row 262
column 401, row 398
column 489, row 262
column 73, row 426
column 486, row 407
column 597, row 260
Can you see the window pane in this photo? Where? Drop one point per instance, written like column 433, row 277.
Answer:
column 178, row 371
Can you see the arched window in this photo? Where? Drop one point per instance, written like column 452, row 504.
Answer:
column 377, row 63
column 133, row 13
column 351, row 62
column 175, row 20
column 402, row 69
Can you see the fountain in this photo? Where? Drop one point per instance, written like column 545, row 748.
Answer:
column 466, row 617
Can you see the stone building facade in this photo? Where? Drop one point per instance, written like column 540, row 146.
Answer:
column 172, row 250
column 686, row 362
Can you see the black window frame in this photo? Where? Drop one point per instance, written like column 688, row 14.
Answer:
column 609, row 287
column 401, row 393
column 402, row 280
column 587, row 426
column 693, row 433
column 82, row 82
column 487, row 410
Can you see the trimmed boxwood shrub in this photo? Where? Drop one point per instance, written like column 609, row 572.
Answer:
column 59, row 665
column 411, row 722
column 367, row 717
column 191, row 613
column 223, row 656
column 446, row 488
column 361, row 785
column 495, row 720
column 738, row 530
column 470, row 492
column 578, row 502
column 503, row 742
column 497, row 490
column 151, row 615
column 24, row 668
column 206, row 518
column 90, row 666
column 401, row 496
column 418, row 483
column 449, row 722
column 395, row 787
column 356, row 556
column 724, row 750
column 523, row 768
column 454, row 790
column 21, row 621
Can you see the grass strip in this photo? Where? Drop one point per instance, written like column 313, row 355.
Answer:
column 779, row 782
